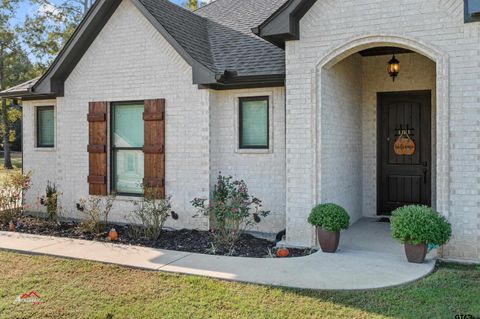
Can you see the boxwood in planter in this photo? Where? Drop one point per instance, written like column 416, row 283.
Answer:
column 329, row 220
column 417, row 226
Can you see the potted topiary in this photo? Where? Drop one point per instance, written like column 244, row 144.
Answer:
column 418, row 226
column 329, row 219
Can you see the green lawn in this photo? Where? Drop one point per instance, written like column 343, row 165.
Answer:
column 79, row 289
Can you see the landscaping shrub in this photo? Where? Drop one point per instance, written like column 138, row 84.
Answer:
column 416, row 224
column 95, row 211
column 231, row 209
column 11, row 191
column 329, row 217
column 50, row 201
column 151, row 214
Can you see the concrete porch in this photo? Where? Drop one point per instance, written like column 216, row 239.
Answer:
column 368, row 234
column 367, row 259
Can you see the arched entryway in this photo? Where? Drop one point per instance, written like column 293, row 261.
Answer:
column 353, row 98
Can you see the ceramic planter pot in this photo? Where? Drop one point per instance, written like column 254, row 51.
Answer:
column 416, row 253
column 328, row 240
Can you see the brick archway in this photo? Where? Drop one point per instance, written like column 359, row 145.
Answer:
column 354, row 45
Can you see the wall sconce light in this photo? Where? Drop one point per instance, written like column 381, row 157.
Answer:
column 393, row 68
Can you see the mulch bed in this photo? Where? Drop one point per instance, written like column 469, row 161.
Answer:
column 194, row 241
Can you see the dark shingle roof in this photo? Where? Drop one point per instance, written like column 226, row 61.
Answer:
column 219, row 35
column 215, row 39
column 233, row 44
column 187, row 28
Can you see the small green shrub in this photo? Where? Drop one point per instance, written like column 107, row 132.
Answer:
column 231, row 209
column 151, row 214
column 96, row 211
column 50, row 201
column 330, row 217
column 416, row 224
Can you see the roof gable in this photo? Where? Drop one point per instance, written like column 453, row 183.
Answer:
column 233, row 44
column 216, row 41
column 156, row 11
column 284, row 24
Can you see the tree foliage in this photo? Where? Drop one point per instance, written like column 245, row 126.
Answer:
column 193, row 5
column 41, row 36
column 15, row 67
column 46, row 30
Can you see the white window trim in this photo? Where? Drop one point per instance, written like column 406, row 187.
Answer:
column 236, row 123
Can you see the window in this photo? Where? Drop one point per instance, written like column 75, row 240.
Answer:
column 254, row 123
column 45, row 126
column 127, row 143
column 472, row 10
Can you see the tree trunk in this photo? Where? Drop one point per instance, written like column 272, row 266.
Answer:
column 6, row 141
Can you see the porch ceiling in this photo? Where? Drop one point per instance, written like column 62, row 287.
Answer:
column 384, row 51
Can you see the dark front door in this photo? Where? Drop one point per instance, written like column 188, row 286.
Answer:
column 404, row 150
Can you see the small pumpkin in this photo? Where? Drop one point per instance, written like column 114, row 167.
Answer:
column 11, row 226
column 113, row 235
column 283, row 252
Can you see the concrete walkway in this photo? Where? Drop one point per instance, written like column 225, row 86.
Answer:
column 349, row 269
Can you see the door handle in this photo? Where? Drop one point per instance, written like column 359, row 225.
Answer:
column 425, row 171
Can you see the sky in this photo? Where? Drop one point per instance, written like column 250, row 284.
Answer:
column 25, row 6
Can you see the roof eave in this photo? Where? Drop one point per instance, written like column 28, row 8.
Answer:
column 246, row 82
column 26, row 95
column 284, row 24
column 52, row 82
column 201, row 74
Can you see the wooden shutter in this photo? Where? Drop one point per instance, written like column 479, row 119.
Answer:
column 154, row 147
column 97, row 148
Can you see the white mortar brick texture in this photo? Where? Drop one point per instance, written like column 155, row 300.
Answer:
column 131, row 61
column 341, row 137
column 435, row 24
column 263, row 171
column 128, row 61
column 41, row 162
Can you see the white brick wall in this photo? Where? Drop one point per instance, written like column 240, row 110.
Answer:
column 130, row 60
column 40, row 161
column 435, row 28
column 262, row 170
column 348, row 126
column 340, row 160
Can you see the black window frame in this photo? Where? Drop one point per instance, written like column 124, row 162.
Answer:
column 37, row 138
column 240, row 122
column 113, row 149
